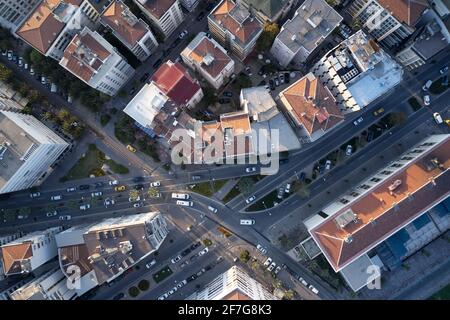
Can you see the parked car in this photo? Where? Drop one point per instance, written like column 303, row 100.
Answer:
column 272, row 266
column 313, row 289
column 437, row 117
column 303, row 281
column 85, row 207
column 183, row 34
column 328, row 165
column 66, row 217
column 32, row 72
column 196, row 177
column 119, row 296
column 288, row 188
column 109, row 202
column 98, row 184
column 302, row 176
column 378, row 112
column 138, row 198
column 349, row 150
column 22, row 216
column 144, row 77
column 281, row 77
column 200, row 16
column 131, row 148
column 84, row 187
column 224, row 100
column 277, row 82
column 35, row 195
column 267, row 262
column 261, row 249
column 280, row 193
column 248, row 70
column 204, row 251
column 250, row 169
column 444, row 70
column 150, row 264
column 176, row 259
column 287, row 77
column 228, row 93
column 427, row 85
column 96, row 194
column 250, row 199
column 51, row 213
column 138, row 187
column 277, row 269
column 56, row 197
column 71, row 189
column 212, row 209
column 247, row 222
column 426, row 100
column 358, row 121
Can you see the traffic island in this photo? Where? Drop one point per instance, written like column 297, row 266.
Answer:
column 162, row 274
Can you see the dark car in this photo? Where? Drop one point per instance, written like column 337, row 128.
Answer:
column 144, row 77
column 139, row 187
column 119, row 296
column 200, row 16
column 224, row 100
column 157, row 63
column 186, row 252
column 271, row 84
column 84, row 187
column 302, row 176
column 195, row 246
column 228, row 93
column 287, row 77
column 192, row 278
column 99, row 184
column 138, row 179
column 263, row 83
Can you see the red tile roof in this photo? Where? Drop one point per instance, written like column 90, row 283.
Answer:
column 406, row 11
column 14, row 254
column 207, row 48
column 380, row 212
column 174, row 80
column 312, row 104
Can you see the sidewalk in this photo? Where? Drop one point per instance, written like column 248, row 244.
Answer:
column 220, row 194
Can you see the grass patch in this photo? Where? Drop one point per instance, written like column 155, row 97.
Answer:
column 133, row 292
column 232, row 194
column 104, row 119
column 203, row 188
column 414, row 103
column 91, row 164
column 162, row 274
column 257, row 177
column 143, row 285
column 268, row 200
column 218, row 184
column 443, row 294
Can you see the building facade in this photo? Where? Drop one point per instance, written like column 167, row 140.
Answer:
column 269, row 10
column 165, row 15
column 189, row 5
column 134, row 33
column 94, row 61
column 28, row 149
column 13, row 13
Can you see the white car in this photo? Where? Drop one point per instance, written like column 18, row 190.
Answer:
column 272, row 266
column 288, row 188
column 71, row 189
column 155, row 184
column 56, row 198
column 150, row 264
column 183, row 34
column 328, row 165
column 85, row 207
column 176, row 259
column 96, row 194
column 250, row 169
column 437, row 117
column 267, row 262
column 32, row 71
column 113, row 182
column 277, row 269
column 313, row 289
column 109, row 202
column 51, row 213
column 349, row 150
column 35, row 195
column 250, row 199
column 204, row 251
column 261, row 249
column 426, row 100
column 247, row 222
column 185, row 203
column 358, row 121
column 303, row 281
column 212, row 209
column 67, row 217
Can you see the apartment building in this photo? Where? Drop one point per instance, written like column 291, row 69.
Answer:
column 350, row 231
column 165, row 15
column 268, row 10
column 14, row 12
column 52, row 285
column 210, row 59
column 25, row 254
column 54, row 23
column 189, row 5
column 390, row 22
column 233, row 284
column 233, row 26
column 134, row 33
column 10, row 99
column 28, row 149
column 4, row 240
column 97, row 63
column 311, row 106
column 312, row 23
column 101, row 252
column 357, row 72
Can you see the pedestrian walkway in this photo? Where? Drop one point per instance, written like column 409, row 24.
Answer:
column 220, row 194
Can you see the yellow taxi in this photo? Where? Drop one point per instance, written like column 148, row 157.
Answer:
column 120, row 188
column 131, row 148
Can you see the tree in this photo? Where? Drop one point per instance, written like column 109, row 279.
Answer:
column 242, row 81
column 134, row 194
column 270, row 31
column 245, row 185
column 152, row 192
column 5, row 73
column 244, row 256
column 289, row 294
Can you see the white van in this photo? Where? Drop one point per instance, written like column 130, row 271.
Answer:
column 185, row 203
column 184, row 196
column 247, row 222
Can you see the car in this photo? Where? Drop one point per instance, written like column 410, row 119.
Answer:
column 84, row 187
column 288, row 188
column 250, row 199
column 444, row 81
column 185, row 203
column 328, row 165
column 250, row 169
column 132, row 91
column 447, row 122
column 138, row 198
column 85, row 207
column 443, row 70
column 437, row 117
column 277, row 269
column 247, row 222
column 32, row 72
column 203, row 252
column 157, row 63
column 195, row 245
column 281, row 77
column 96, row 194
column 183, row 196
column 261, row 249
column 302, row 176
column 66, row 217
column 109, row 202
column 267, row 262
column 144, row 77
column 358, row 121
column 35, row 195
column 196, row 177
column 138, row 179
column 113, row 182
column 98, row 184
column 176, row 259
column 427, row 85
column 224, row 100
column 131, row 148
column 303, row 281
column 378, row 112
column 228, row 93
column 150, row 264
column 22, row 216
column 212, row 209
column 10, row 55
column 155, row 184
column 137, row 205
column 56, row 197
column 426, row 100
column 272, row 266
column 119, row 296
column 284, row 161
column 280, row 193
column 138, row 187
column 183, row 34
column 4, row 52
column 164, row 296
column 43, row 80
column 349, row 150
column 51, row 213
column 287, row 77
column 277, row 82
column 25, row 66
column 120, row 188
column 71, row 189
column 313, row 289
column 20, row 62
column 248, row 70
column 200, row 16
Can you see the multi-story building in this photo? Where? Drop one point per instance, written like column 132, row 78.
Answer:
column 233, row 284
column 101, row 252
column 189, row 5
column 311, row 106
column 10, row 99
column 350, row 231
column 269, row 10
column 210, row 59
column 13, row 13
column 27, row 253
column 54, row 23
column 390, row 22
column 52, row 285
column 4, row 240
column 134, row 33
column 93, row 60
column 357, row 72
column 234, row 27
column 28, row 149
column 165, row 15
column 312, row 23
column 431, row 37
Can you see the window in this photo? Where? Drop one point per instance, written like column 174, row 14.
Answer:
column 375, row 179
column 386, row 172
column 344, row 201
column 397, row 165
column 407, row 158
column 364, row 186
column 354, row 194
